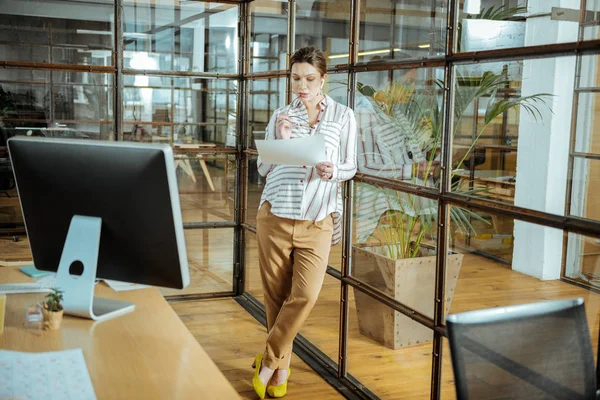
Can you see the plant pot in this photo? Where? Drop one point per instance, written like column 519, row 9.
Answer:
column 52, row 319
column 411, row 281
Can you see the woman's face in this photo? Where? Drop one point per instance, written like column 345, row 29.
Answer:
column 306, row 81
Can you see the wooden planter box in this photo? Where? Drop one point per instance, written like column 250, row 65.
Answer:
column 411, row 282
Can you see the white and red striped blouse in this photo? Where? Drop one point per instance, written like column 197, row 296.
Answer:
column 297, row 192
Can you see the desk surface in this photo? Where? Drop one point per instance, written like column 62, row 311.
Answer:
column 146, row 354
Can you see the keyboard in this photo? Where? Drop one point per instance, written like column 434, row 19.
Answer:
column 13, row 288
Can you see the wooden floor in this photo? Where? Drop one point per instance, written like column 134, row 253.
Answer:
column 232, row 337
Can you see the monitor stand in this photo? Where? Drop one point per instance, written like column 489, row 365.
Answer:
column 83, row 245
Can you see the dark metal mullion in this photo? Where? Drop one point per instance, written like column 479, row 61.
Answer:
column 207, row 75
column 241, row 176
column 588, row 156
column 410, row 188
column 118, row 78
column 587, row 89
column 291, row 45
column 198, row 296
column 443, row 228
column 209, row 225
column 573, row 136
column 348, row 191
column 59, row 67
column 569, row 223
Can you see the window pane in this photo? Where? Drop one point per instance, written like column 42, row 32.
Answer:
column 585, row 201
column 182, row 111
column 56, row 104
column 508, row 262
column 406, row 29
column 399, row 115
column 206, row 186
column 388, row 353
column 253, row 282
column 66, row 32
column 498, row 24
column 511, row 131
column 394, row 244
column 336, row 87
column 583, row 259
column 268, row 44
column 210, row 259
column 326, row 26
column 256, row 184
column 265, row 96
column 188, row 36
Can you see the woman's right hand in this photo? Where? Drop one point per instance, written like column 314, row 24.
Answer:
column 283, row 127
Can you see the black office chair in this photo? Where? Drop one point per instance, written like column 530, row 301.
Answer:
column 531, row 351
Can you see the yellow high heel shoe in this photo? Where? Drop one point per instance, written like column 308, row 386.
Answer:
column 281, row 389
column 259, row 387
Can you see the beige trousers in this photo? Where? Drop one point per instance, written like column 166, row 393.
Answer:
column 292, row 257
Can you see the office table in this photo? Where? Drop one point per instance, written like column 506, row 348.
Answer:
column 146, row 354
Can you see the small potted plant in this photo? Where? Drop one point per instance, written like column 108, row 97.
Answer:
column 52, row 309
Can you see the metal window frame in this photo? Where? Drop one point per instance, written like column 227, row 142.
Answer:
column 336, row 373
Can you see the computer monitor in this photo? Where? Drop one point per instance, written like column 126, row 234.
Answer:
column 98, row 209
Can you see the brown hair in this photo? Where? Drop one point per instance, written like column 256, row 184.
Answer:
column 311, row 55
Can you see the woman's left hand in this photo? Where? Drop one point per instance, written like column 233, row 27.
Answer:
column 325, row 170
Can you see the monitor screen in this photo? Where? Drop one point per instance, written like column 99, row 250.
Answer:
column 133, row 189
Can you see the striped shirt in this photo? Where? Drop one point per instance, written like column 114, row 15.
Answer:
column 384, row 150
column 297, row 192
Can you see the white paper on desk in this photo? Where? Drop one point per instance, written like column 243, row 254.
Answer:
column 51, row 375
column 302, row 151
column 118, row 286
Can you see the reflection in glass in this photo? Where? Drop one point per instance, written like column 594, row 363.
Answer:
column 494, row 25
column 509, row 131
column 326, row 26
column 55, row 104
column 268, row 43
column 399, row 372
column 180, row 110
column 210, row 259
column 189, row 36
column 394, row 246
column 265, row 96
column 404, row 30
column 399, row 116
column 72, row 32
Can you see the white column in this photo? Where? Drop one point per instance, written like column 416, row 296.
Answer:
column 543, row 146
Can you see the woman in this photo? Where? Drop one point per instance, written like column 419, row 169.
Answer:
column 299, row 216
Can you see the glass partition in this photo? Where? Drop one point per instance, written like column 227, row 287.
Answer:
column 181, row 36
column 192, row 112
column 268, row 43
column 402, row 30
column 58, row 104
column 65, row 32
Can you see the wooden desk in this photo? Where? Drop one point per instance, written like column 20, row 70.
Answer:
column 146, row 354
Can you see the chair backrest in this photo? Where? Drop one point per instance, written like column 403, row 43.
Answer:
column 531, row 351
